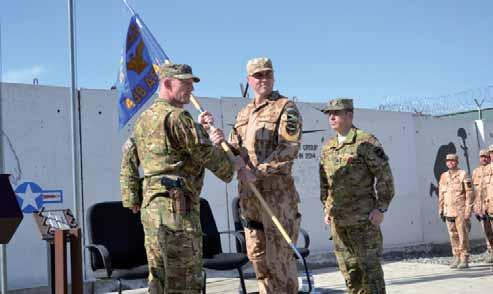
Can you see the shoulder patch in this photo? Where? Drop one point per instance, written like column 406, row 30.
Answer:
column 290, row 128
column 293, row 119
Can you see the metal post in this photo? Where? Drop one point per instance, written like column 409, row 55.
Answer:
column 3, row 248
column 480, row 112
column 74, row 113
column 75, row 120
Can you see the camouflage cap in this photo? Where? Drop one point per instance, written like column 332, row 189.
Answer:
column 177, row 71
column 452, row 156
column 259, row 64
column 339, row 104
column 484, row 152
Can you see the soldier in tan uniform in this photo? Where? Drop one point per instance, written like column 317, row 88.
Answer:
column 455, row 203
column 267, row 135
column 483, row 204
column 356, row 188
column 481, row 181
column 173, row 152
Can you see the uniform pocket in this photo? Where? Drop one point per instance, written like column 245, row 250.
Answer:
column 179, row 245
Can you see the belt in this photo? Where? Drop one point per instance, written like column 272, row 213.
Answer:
column 450, row 219
column 252, row 225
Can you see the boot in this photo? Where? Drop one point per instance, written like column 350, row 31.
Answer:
column 489, row 258
column 464, row 262
column 455, row 262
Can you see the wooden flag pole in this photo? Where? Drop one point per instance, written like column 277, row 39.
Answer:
column 256, row 192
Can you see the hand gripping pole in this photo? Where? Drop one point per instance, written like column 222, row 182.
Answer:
column 256, row 192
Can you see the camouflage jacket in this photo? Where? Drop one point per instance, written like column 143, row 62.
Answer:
column 455, row 193
column 167, row 142
column 350, row 173
column 130, row 181
column 268, row 137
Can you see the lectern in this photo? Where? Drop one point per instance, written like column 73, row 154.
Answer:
column 58, row 228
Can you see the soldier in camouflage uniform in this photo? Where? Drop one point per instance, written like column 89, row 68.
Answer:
column 267, row 135
column 353, row 165
column 455, row 203
column 173, row 151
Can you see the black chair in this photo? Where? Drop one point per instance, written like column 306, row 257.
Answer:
column 239, row 224
column 116, row 243
column 213, row 255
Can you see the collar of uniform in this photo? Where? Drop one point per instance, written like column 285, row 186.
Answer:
column 453, row 172
column 164, row 101
column 350, row 138
column 271, row 99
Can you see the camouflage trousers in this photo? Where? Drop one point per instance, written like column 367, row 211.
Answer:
column 358, row 249
column 174, row 249
column 271, row 256
column 459, row 236
column 488, row 232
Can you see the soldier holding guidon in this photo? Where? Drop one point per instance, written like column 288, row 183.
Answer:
column 173, row 151
column 267, row 135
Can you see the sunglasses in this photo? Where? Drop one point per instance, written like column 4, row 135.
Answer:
column 263, row 75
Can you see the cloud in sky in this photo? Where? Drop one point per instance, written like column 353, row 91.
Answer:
column 24, row 75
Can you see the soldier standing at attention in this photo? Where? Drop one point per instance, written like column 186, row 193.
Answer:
column 482, row 186
column 483, row 203
column 455, row 202
column 353, row 165
column 173, row 151
column 267, row 135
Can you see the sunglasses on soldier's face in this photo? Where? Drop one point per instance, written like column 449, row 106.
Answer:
column 263, row 75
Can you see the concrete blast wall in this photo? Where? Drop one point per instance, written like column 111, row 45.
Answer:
column 37, row 152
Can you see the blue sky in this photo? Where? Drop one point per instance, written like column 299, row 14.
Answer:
column 321, row 49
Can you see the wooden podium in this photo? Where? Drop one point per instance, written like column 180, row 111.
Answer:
column 59, row 227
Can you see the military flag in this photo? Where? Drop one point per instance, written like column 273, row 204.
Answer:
column 138, row 77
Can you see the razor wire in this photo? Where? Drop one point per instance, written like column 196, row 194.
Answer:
column 464, row 101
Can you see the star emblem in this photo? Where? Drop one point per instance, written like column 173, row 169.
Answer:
column 29, row 196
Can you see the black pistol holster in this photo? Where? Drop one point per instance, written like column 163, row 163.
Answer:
column 175, row 186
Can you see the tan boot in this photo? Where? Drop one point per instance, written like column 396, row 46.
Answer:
column 464, row 262
column 455, row 262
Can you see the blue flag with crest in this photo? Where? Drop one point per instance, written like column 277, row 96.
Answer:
column 138, row 78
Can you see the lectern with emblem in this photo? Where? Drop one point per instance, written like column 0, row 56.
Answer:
column 58, row 228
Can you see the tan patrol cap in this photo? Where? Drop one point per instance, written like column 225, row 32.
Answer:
column 339, row 104
column 452, row 156
column 490, row 149
column 484, row 152
column 259, row 64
